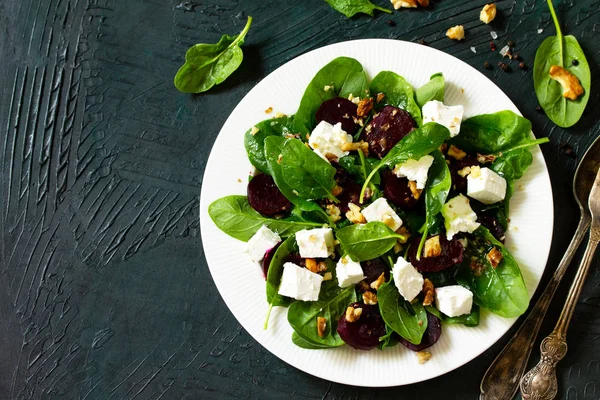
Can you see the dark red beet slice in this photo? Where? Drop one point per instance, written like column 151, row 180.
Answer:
column 397, row 191
column 386, row 129
column 452, row 254
column 372, row 269
column 337, row 110
column 430, row 337
column 364, row 333
column 265, row 197
column 268, row 258
column 493, row 225
column 350, row 190
column 459, row 183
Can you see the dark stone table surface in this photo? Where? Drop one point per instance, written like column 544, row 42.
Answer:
column 104, row 289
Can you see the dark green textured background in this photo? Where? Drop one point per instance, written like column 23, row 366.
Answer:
column 104, row 290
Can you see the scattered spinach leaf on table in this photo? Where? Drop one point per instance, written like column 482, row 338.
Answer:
column 367, row 241
column 207, row 65
column 398, row 93
column 432, row 90
column 352, row 7
column 255, row 142
column 406, row 319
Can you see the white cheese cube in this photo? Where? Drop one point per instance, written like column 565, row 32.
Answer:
column 299, row 283
column 459, row 216
column 453, row 300
column 381, row 211
column 327, row 138
column 449, row 116
column 348, row 272
column 415, row 170
column 263, row 240
column 315, row 243
column 407, row 279
column 486, row 186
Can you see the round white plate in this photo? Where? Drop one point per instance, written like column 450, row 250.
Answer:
column 241, row 283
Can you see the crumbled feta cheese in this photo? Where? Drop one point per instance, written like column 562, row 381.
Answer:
column 263, row 240
column 407, row 279
column 327, row 138
column 459, row 216
column 381, row 211
column 415, row 170
column 453, row 300
column 488, row 187
column 299, row 283
column 449, row 116
column 348, row 272
column 315, row 243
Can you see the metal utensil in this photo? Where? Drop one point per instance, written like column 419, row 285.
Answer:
column 540, row 382
column 501, row 381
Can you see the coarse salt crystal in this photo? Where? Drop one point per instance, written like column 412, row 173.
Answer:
column 494, row 35
column 540, row 31
column 473, row 49
column 504, row 51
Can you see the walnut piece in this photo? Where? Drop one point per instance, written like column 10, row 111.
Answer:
column 254, row 131
column 321, row 266
column 403, row 230
column 475, row 171
column 494, row 256
column 416, row 193
column 353, row 314
column 433, row 248
column 311, row 265
column 364, row 107
column 376, row 284
column 486, row 159
column 398, row 4
column 321, row 325
column 572, row 88
column 456, row 153
column 380, row 97
column 456, row 32
column 429, row 292
column 327, row 276
column 369, row 298
column 337, row 190
column 334, row 212
column 423, row 356
column 423, row 3
column 488, row 13
column 464, row 172
column 356, row 146
column 354, row 215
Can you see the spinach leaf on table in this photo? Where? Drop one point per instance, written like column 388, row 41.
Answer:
column 432, row 90
column 398, row 93
column 207, row 65
column 502, row 289
column 341, row 77
column 395, row 313
column 234, row 216
column 560, row 50
column 352, row 7
column 255, row 143
column 364, row 242
column 471, row 319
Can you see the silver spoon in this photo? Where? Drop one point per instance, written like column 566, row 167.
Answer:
column 501, row 381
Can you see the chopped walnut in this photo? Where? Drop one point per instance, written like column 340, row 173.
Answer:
column 337, row 190
column 279, row 114
column 354, row 99
column 456, row 32
column 488, row 13
column 279, row 158
column 416, row 193
column 354, row 215
column 475, row 171
column 356, row 146
column 269, row 110
column 429, row 292
column 311, row 265
column 333, row 212
column 398, row 4
column 423, row 3
column 254, row 131
column 433, row 248
column 494, row 256
column 369, row 298
column 364, row 107
column 403, row 230
column 398, row 247
column 486, row 159
column 456, row 153
column 363, row 286
column 423, row 356
column 327, row 276
column 353, row 314
column 572, row 88
column 465, row 171
column 321, row 325
column 443, row 147
column 376, row 284
column 380, row 97
column 321, row 266
column 328, row 88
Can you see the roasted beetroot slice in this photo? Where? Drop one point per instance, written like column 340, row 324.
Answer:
column 350, row 190
column 397, row 191
column 337, row 110
column 459, row 183
column 452, row 254
column 268, row 258
column 386, row 129
column 372, row 269
column 493, row 225
column 364, row 333
column 430, row 337
column 265, row 197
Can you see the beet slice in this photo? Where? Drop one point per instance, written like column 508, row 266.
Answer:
column 337, row 110
column 386, row 129
column 493, row 225
column 350, row 190
column 265, row 197
column 268, row 258
column 364, row 333
column 397, row 191
column 430, row 336
column 459, row 183
column 452, row 254
column 372, row 269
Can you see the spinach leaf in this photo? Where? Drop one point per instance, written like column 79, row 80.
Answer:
column 255, row 142
column 413, row 220
column 352, row 7
column 359, row 170
column 398, row 92
column 511, row 166
column 367, row 241
column 432, row 90
column 289, row 246
column 341, row 77
column 415, row 145
column 389, row 340
column 471, row 319
column 445, row 277
column 207, row 65
column 305, row 344
column 560, row 50
column 234, row 216
column 395, row 314
column 502, row 289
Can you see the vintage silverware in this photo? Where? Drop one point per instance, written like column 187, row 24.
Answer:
column 501, row 381
column 540, row 382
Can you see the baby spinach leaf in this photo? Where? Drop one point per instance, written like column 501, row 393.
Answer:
column 359, row 170
column 305, row 344
column 341, row 77
column 432, row 90
column 511, row 166
column 445, row 277
column 255, row 142
column 289, row 246
column 207, row 65
column 502, row 289
column 560, row 50
column 398, row 92
column 367, row 241
column 234, row 216
column 394, row 310
column 352, row 7
column 471, row 319
column 389, row 340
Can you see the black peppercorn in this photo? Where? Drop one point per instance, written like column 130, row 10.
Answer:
column 391, row 23
column 422, row 41
column 523, row 66
column 487, row 65
column 511, row 43
column 516, row 56
column 504, row 67
column 539, row 109
column 575, row 62
column 492, row 46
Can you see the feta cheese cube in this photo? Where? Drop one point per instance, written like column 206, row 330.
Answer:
column 486, row 186
column 299, row 283
column 327, row 138
column 459, row 216
column 453, row 300
column 407, row 279
column 381, row 211
column 348, row 272
column 263, row 240
column 449, row 116
column 415, row 170
column 315, row 243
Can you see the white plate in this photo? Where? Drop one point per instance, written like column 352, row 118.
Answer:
column 241, row 283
